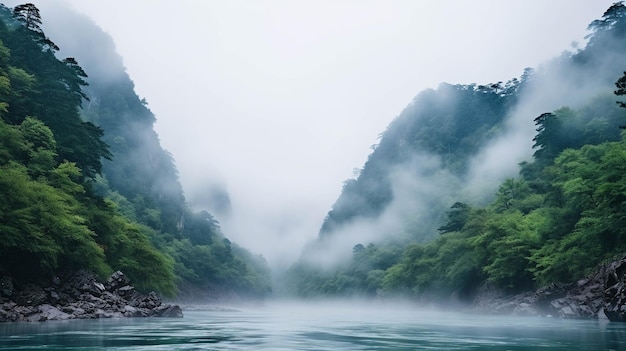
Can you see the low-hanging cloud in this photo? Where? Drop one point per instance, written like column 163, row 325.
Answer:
column 423, row 189
column 278, row 101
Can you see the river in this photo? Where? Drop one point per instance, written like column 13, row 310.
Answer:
column 317, row 326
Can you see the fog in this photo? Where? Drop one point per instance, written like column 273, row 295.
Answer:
column 279, row 100
column 423, row 189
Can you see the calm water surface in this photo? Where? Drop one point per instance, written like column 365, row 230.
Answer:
column 317, row 327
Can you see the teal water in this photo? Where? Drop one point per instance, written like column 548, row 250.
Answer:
column 317, row 327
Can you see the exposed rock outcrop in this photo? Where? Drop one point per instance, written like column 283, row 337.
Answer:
column 615, row 291
column 598, row 296
column 79, row 296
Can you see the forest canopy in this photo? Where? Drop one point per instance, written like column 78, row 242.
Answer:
column 85, row 183
column 555, row 221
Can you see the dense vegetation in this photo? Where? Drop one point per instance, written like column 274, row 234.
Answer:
column 562, row 216
column 84, row 180
column 452, row 122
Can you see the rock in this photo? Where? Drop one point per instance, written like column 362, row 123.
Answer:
column 80, row 295
column 56, row 281
column 116, row 281
column 600, row 295
column 126, row 291
column 545, row 295
column 150, row 301
column 53, row 295
column 30, row 295
column 97, row 288
column 567, row 312
column 86, row 282
column 525, row 309
column 99, row 313
column 49, row 312
column 130, row 311
column 615, row 291
column 73, row 310
column 487, row 298
column 601, row 315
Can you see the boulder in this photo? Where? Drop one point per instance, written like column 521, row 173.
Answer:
column 149, row 301
column 130, row 311
column 52, row 313
column 126, row 291
column 116, row 281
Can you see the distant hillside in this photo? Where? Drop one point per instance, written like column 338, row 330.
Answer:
column 440, row 130
column 133, row 204
column 454, row 153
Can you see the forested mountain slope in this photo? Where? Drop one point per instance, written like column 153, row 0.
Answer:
column 426, row 217
column 86, row 183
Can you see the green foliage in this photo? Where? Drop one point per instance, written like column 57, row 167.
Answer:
column 457, row 217
column 362, row 275
column 526, row 237
column 621, row 89
column 148, row 268
column 218, row 264
column 50, row 90
column 564, row 214
column 40, row 146
column 42, row 230
column 12, row 145
column 63, row 209
column 29, row 15
column 451, row 123
column 507, row 240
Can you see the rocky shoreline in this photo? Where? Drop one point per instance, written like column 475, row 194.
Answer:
column 80, row 296
column 601, row 295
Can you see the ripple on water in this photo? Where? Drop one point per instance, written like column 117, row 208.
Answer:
column 299, row 328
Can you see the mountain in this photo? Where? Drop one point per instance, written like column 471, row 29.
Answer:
column 123, row 186
column 461, row 182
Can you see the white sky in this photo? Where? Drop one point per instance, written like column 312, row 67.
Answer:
column 282, row 99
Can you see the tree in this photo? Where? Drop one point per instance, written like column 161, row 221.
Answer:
column 556, row 131
column 510, row 193
column 457, row 217
column 357, row 249
column 40, row 146
column 28, row 14
column 621, row 90
column 611, row 18
column 545, row 124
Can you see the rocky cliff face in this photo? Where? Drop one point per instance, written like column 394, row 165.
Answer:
column 79, row 296
column 599, row 296
column 615, row 291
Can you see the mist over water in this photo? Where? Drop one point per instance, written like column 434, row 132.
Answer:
column 318, row 326
column 270, row 196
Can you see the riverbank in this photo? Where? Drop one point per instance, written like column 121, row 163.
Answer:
column 79, row 295
column 601, row 295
